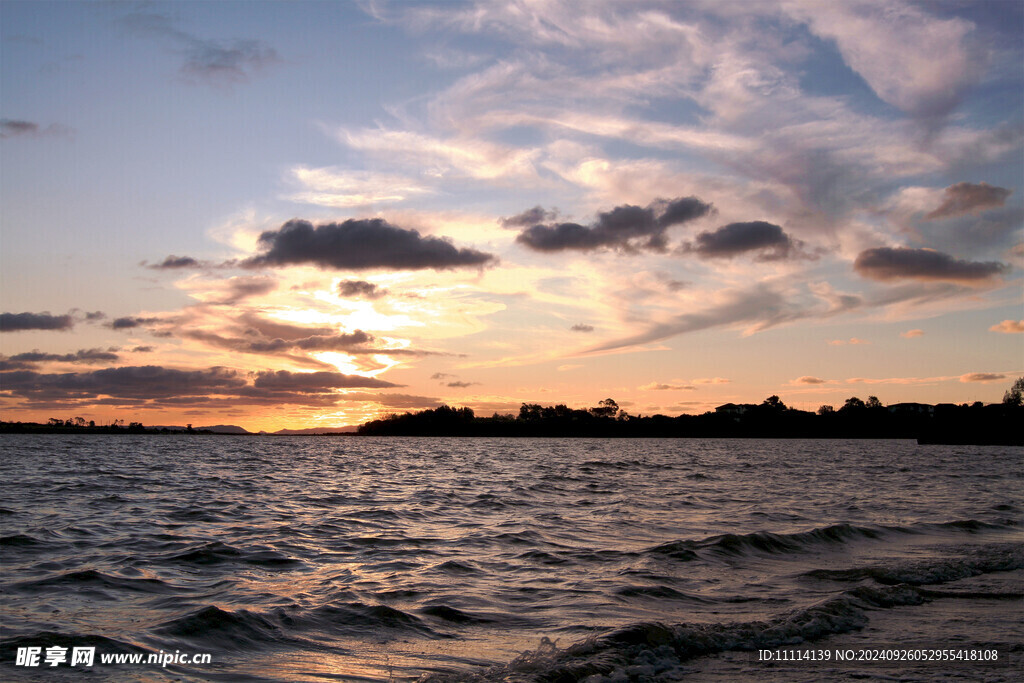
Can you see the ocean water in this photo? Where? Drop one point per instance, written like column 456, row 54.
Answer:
column 403, row 559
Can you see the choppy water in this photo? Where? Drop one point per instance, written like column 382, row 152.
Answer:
column 312, row 559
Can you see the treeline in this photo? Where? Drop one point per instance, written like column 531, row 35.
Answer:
column 945, row 423
column 78, row 425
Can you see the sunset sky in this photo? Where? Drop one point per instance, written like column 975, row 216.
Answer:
column 309, row 214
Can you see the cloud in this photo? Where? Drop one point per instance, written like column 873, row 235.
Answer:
column 233, row 62
column 312, row 382
column 894, row 263
column 235, row 289
column 1008, row 327
column 625, row 227
column 898, row 380
column 80, row 356
column 10, row 128
column 969, row 198
column 712, row 380
column 528, row 218
column 176, row 262
column 209, row 61
column 354, row 289
column 808, row 379
column 759, row 307
column 982, row 377
column 343, row 188
column 738, row 238
column 910, row 334
column 159, row 387
column 19, row 322
column 349, row 343
column 580, row 327
column 658, row 386
column 852, row 340
column 359, row 245
column 912, row 59
column 461, row 385
column 406, row 401
column 130, row 322
column 132, row 382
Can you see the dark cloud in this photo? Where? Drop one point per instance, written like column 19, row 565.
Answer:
column 627, row 228
column 155, row 387
column 227, row 62
column 313, row 382
column 94, row 316
column 528, row 218
column 731, row 240
column 142, row 349
column 461, row 385
column 353, row 289
column 80, row 356
column 351, row 343
column 18, row 322
column 894, row 263
column 130, row 322
column 582, row 328
column 210, row 61
column 808, row 379
column 173, row 262
column 360, row 244
column 441, row 375
column 10, row 128
column 966, row 197
column 139, row 382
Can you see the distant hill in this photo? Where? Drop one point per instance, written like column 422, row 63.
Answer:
column 216, row 429
column 316, row 430
column 225, row 429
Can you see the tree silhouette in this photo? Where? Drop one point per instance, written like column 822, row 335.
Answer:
column 853, row 403
column 606, row 408
column 1014, row 396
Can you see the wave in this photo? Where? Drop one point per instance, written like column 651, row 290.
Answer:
column 215, row 628
column 91, row 579
column 215, row 553
column 767, row 543
column 658, row 648
column 663, row 647
column 998, row 557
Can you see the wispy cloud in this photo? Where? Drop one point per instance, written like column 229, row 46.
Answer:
column 982, row 377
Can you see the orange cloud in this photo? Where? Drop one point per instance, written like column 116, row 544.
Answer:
column 1008, row 327
column 982, row 377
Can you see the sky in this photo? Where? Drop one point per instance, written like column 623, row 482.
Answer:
column 311, row 214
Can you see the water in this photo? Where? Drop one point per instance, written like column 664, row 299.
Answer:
column 313, row 559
